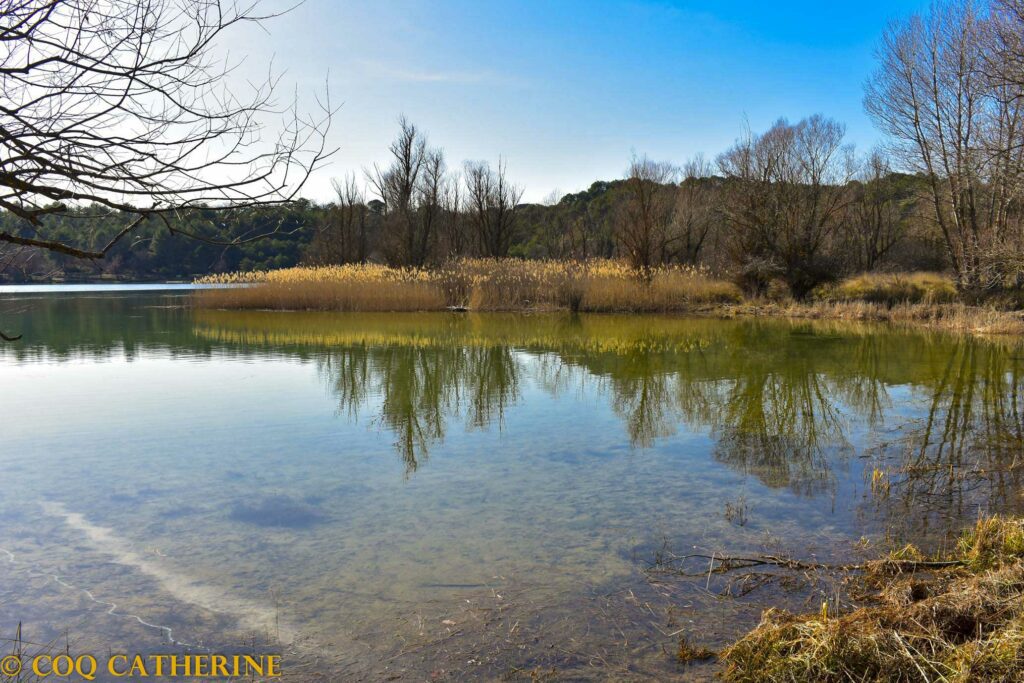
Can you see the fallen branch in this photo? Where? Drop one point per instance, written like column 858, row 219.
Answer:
column 728, row 564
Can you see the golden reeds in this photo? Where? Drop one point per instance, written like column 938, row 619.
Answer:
column 598, row 286
column 477, row 284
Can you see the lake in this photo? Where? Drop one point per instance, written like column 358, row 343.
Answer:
column 463, row 496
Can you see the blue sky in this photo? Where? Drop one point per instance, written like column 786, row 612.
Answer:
column 566, row 91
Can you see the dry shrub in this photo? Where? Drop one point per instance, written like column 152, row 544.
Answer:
column 669, row 290
column 893, row 288
column 391, row 296
column 961, row 623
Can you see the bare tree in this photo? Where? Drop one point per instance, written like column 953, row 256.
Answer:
column 343, row 235
column 492, row 201
column 694, row 210
column 123, row 104
column 411, row 189
column 455, row 229
column 644, row 230
column 1005, row 65
column 876, row 215
column 785, row 200
column 432, row 195
column 949, row 122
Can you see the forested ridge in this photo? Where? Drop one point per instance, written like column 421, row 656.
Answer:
column 578, row 225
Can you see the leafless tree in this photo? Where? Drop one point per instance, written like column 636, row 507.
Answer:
column 552, row 198
column 876, row 215
column 124, row 104
column 949, row 122
column 785, row 200
column 343, row 235
column 694, row 210
column 1005, row 65
column 492, row 201
column 1005, row 73
column 412, row 190
column 432, row 195
column 644, row 229
column 455, row 224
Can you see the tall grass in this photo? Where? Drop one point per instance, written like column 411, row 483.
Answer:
column 475, row 284
column 892, row 289
column 599, row 286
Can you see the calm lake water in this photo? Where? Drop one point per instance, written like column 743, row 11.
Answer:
column 465, row 496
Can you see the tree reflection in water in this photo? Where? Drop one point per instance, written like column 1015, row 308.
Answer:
column 965, row 454
column 940, row 415
column 421, row 388
column 788, row 403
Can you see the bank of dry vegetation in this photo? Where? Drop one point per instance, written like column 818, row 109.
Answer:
column 474, row 284
column 960, row 618
column 603, row 286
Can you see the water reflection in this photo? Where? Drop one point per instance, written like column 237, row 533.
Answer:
column 964, row 452
column 785, row 403
column 778, row 400
column 422, row 389
column 789, row 404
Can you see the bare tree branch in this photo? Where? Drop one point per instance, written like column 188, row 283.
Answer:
column 123, row 101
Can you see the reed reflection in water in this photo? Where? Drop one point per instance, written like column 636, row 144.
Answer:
column 784, row 402
column 382, row 474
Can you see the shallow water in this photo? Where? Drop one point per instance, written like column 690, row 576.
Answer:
column 464, row 496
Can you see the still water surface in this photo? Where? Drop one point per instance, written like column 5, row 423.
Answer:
column 463, row 496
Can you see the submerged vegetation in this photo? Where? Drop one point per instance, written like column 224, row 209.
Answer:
column 959, row 618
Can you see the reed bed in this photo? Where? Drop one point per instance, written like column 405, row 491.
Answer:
column 961, row 620
column 356, row 287
column 597, row 286
column 473, row 284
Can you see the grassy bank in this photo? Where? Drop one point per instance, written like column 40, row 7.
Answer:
column 958, row 617
column 955, row 317
column 598, row 286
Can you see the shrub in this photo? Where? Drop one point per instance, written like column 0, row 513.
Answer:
column 892, row 288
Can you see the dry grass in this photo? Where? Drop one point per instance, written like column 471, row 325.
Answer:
column 476, row 284
column 598, row 286
column 956, row 317
column 961, row 623
column 358, row 287
column 892, row 289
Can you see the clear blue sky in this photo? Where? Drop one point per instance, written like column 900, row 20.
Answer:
column 567, row 90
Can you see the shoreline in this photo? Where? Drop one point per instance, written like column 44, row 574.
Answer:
column 953, row 317
column 957, row 615
column 920, row 299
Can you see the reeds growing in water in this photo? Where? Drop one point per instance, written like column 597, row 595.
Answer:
column 475, row 284
column 597, row 286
